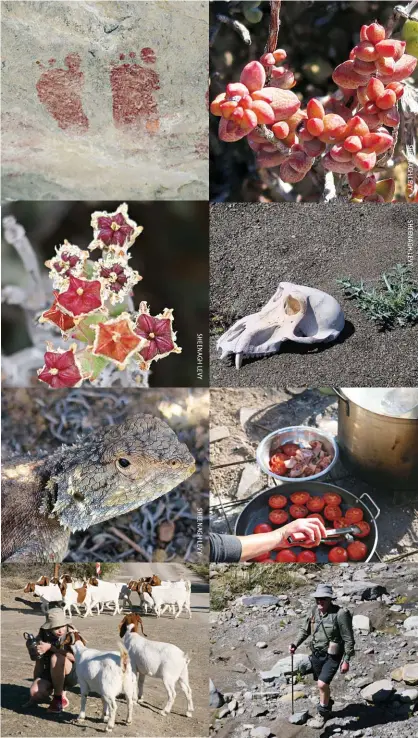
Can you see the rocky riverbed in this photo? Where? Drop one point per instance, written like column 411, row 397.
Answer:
column 250, row 665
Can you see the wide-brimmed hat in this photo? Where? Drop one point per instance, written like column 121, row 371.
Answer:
column 324, row 590
column 56, row 619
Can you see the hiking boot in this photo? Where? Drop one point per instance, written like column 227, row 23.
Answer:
column 318, row 721
column 56, row 704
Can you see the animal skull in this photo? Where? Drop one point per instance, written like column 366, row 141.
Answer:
column 294, row 313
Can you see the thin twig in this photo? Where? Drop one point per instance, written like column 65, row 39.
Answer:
column 266, row 133
column 274, row 27
column 238, row 27
column 402, row 556
column 132, row 543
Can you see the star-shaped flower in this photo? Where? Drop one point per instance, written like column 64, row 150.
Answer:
column 81, row 298
column 114, row 231
column 116, row 340
column 69, row 260
column 61, row 368
column 54, row 315
column 158, row 332
column 117, row 278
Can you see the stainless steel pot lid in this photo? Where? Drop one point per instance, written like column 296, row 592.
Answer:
column 395, row 402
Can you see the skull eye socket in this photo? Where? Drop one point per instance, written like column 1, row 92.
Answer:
column 124, row 463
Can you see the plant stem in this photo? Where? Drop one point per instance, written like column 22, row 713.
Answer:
column 273, row 32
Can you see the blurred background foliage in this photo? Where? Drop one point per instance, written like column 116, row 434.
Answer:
column 171, row 254
column 317, row 36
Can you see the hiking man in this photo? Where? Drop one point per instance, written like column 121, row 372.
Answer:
column 332, row 646
column 55, row 665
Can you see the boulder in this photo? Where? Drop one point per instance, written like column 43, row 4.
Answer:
column 410, row 674
column 301, row 665
column 411, row 623
column 261, row 732
column 409, row 695
column 261, row 644
column 378, row 692
column 250, row 481
column 362, row 623
column 215, row 697
column 297, row 695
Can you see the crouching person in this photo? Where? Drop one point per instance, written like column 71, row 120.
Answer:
column 55, row 664
column 332, row 646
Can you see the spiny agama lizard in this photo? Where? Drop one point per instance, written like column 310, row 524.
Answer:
column 106, row 474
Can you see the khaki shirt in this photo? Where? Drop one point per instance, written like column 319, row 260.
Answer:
column 335, row 626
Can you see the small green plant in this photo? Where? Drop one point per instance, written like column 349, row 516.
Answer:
column 393, row 304
column 237, row 581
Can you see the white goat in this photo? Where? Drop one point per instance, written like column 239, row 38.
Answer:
column 108, row 673
column 47, row 594
column 162, row 596
column 72, row 597
column 106, row 592
column 156, row 659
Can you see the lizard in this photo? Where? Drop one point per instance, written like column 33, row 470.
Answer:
column 105, row 474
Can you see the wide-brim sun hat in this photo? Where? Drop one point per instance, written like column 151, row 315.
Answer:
column 56, row 619
column 324, row 591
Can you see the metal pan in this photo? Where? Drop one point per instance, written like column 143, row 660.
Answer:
column 257, row 511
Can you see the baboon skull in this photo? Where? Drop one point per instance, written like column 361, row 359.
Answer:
column 294, row 313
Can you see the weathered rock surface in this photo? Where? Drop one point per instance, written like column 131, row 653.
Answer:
column 379, row 691
column 105, row 100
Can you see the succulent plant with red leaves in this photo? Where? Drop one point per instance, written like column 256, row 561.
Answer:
column 158, row 333
column 61, row 368
column 116, row 278
column 93, row 305
column 114, row 231
column 116, row 340
column 68, row 260
column 350, row 131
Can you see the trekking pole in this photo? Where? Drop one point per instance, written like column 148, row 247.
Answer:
column 291, row 667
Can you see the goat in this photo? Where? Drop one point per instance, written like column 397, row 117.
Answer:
column 108, row 673
column 162, row 596
column 156, row 659
column 72, row 597
column 102, row 594
column 47, row 593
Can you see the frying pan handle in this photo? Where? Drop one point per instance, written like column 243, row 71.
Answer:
column 377, row 513
column 344, row 399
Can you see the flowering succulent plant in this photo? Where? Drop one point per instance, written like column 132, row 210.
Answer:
column 86, row 308
column 352, row 131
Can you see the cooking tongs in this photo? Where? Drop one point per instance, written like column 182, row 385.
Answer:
column 351, row 530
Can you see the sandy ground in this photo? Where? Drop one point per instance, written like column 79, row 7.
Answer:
column 273, row 408
column 254, row 247
column 21, row 613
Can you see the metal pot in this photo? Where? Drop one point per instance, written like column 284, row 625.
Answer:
column 257, row 511
column 381, row 449
column 300, row 434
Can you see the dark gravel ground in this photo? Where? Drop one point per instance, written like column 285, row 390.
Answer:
column 254, row 247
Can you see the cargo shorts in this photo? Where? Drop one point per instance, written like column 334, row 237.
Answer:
column 325, row 666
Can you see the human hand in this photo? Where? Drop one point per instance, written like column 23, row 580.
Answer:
column 310, row 530
column 292, row 648
column 42, row 648
column 345, row 666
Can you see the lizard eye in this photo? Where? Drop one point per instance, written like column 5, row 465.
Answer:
column 174, row 463
column 124, row 463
